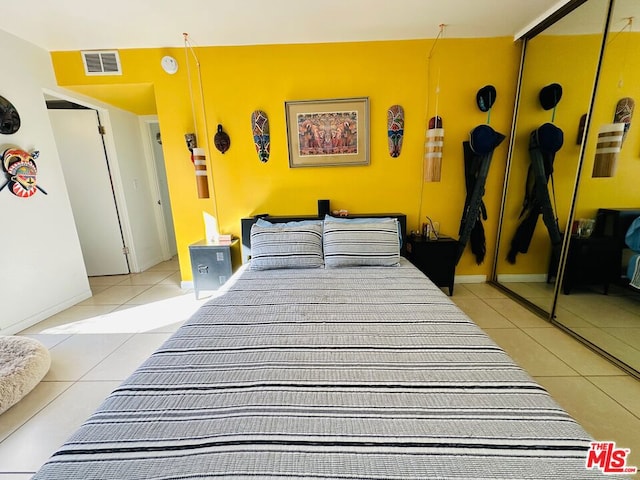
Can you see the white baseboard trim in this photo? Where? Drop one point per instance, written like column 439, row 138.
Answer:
column 523, row 277
column 43, row 315
column 470, row 279
column 186, row 285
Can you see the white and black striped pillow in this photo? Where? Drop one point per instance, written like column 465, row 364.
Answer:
column 361, row 244
column 288, row 247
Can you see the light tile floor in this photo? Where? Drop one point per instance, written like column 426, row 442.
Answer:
column 612, row 321
column 98, row 343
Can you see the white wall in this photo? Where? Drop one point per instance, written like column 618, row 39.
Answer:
column 41, row 266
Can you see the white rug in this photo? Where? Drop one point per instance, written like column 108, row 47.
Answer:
column 23, row 363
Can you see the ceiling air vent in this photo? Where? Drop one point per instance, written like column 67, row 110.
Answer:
column 103, row 62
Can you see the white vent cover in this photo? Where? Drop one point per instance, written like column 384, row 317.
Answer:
column 101, row 62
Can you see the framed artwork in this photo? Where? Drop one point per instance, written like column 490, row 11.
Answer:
column 328, row 132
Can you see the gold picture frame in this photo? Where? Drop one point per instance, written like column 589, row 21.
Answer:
column 323, row 133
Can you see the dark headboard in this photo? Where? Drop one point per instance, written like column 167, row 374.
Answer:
column 248, row 222
column 614, row 222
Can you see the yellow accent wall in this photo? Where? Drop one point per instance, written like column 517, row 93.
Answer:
column 620, row 77
column 138, row 98
column 238, row 80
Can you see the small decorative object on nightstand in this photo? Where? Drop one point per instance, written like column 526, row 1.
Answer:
column 212, row 263
column 435, row 258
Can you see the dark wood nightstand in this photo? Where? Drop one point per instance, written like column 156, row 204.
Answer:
column 212, row 264
column 435, row 258
column 590, row 260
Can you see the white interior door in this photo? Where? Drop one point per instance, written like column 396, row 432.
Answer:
column 86, row 174
column 163, row 188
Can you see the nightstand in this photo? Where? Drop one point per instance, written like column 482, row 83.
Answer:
column 590, row 260
column 212, row 264
column 435, row 258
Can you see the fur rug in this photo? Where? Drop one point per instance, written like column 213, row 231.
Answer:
column 23, row 363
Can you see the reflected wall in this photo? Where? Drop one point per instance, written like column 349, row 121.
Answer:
column 566, row 53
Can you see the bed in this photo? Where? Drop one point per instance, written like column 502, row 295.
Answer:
column 330, row 372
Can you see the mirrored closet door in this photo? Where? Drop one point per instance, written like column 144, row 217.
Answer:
column 580, row 79
column 608, row 193
column 557, row 81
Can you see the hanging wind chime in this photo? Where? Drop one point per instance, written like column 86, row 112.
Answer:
column 198, row 155
column 611, row 136
column 435, row 131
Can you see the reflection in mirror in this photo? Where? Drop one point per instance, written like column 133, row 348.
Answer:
column 603, row 262
column 557, row 80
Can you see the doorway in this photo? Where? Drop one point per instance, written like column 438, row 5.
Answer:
column 85, row 166
column 158, row 180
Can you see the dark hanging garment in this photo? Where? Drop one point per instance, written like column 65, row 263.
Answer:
column 477, row 160
column 471, row 227
column 543, row 145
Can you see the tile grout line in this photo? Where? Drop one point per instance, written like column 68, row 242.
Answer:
column 585, row 377
column 72, row 383
column 18, row 427
column 609, row 396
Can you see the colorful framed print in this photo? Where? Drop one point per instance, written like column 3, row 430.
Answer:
column 328, row 132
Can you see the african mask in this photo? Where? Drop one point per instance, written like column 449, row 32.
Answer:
column 21, row 169
column 261, row 137
column 395, row 129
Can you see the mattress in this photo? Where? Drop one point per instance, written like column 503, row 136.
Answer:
column 343, row 373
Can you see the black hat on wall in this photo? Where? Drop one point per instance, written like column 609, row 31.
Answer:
column 550, row 96
column 483, row 139
column 550, row 138
column 486, row 97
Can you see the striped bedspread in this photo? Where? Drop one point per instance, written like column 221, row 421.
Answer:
column 351, row 373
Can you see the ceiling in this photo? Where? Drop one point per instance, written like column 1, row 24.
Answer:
column 117, row 24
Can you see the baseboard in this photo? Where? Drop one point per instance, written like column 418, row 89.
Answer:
column 186, row 285
column 523, row 277
column 43, row 315
column 470, row 279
